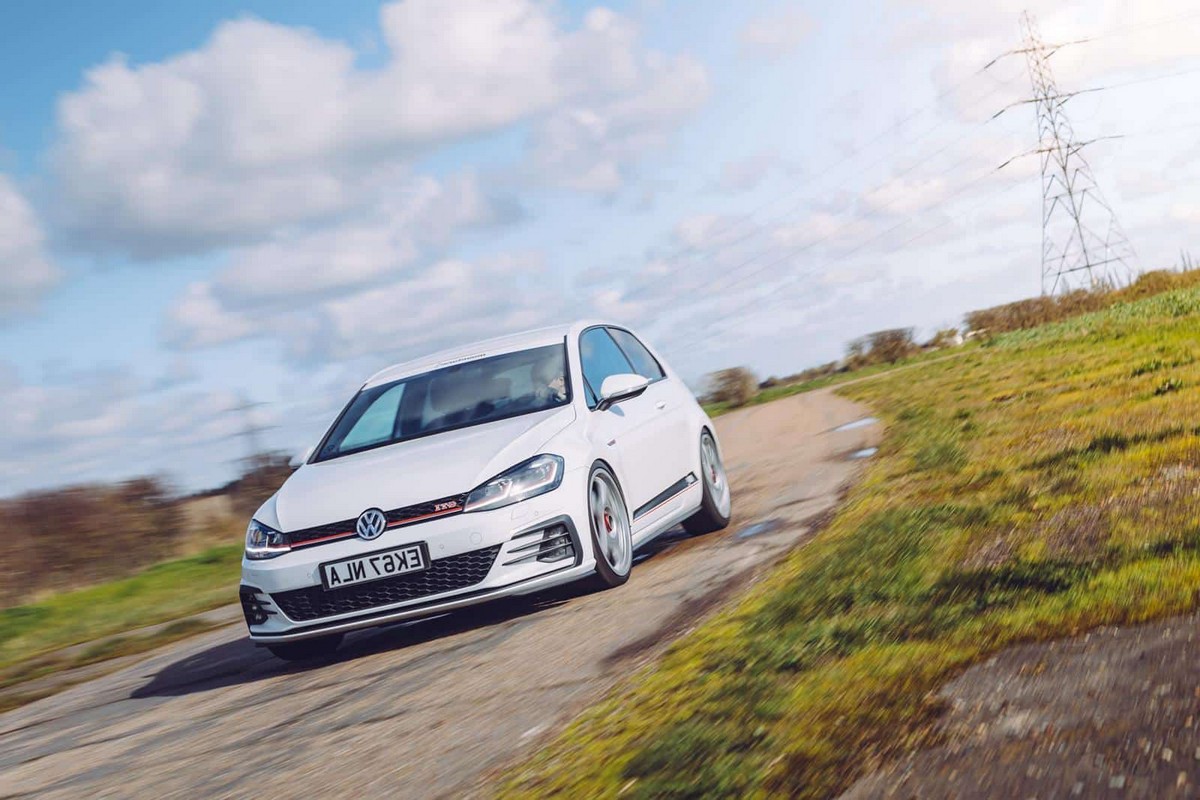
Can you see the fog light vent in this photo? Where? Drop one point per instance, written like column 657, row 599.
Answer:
column 556, row 544
column 253, row 606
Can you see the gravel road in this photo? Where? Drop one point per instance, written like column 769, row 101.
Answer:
column 426, row 709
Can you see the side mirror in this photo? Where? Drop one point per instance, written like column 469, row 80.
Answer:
column 620, row 387
column 299, row 459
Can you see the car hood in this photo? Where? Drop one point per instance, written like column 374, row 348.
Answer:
column 411, row 472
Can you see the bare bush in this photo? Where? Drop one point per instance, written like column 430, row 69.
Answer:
column 1037, row 311
column 83, row 534
column 80, row 535
column 892, row 345
column 735, row 386
column 946, row 337
column 881, row 347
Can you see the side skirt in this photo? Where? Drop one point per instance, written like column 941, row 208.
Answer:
column 666, row 495
column 685, row 504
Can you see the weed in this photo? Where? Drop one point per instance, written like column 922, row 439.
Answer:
column 1168, row 386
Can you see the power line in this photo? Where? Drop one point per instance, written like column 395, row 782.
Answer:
column 1078, row 237
column 250, row 431
column 1119, row 85
column 846, row 159
column 1124, row 30
column 765, row 225
column 1120, row 31
column 754, row 301
column 755, row 231
column 1070, row 147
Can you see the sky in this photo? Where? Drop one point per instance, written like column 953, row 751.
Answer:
column 231, row 213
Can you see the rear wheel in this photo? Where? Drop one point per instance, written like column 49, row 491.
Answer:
column 716, row 504
column 612, row 534
column 306, row 649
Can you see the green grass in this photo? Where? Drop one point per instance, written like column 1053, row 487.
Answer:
column 1040, row 485
column 161, row 593
column 787, row 390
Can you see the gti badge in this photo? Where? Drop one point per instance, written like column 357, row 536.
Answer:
column 370, row 524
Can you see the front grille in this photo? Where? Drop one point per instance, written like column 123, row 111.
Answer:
column 396, row 518
column 443, row 575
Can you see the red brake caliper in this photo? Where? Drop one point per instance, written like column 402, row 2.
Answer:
column 608, row 522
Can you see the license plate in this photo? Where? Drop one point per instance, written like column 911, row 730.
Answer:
column 373, row 566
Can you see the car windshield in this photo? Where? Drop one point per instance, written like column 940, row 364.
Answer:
column 469, row 393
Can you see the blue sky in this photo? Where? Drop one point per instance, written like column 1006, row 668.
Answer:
column 207, row 203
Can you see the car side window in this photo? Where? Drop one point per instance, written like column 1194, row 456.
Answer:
column 600, row 357
column 643, row 362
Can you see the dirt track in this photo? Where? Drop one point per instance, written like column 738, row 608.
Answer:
column 1112, row 713
column 425, row 709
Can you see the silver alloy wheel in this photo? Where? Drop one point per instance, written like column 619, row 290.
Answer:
column 610, row 523
column 714, row 474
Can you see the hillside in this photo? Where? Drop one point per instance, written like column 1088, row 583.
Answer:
column 1039, row 486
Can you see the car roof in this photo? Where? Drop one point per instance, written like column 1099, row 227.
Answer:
column 500, row 344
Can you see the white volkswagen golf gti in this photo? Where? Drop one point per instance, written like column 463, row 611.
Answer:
column 501, row 468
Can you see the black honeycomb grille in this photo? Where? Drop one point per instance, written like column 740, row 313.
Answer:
column 443, row 575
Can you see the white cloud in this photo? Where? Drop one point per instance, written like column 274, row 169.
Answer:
column 26, row 271
column 417, row 214
column 776, row 33
column 1122, row 37
column 709, row 231
column 304, row 286
column 900, row 196
column 744, row 174
column 446, row 301
column 198, row 319
column 1185, row 212
column 618, row 112
column 267, row 125
column 66, row 431
column 451, row 300
column 821, row 227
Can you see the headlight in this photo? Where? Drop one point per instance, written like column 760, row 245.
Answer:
column 263, row 542
column 538, row 475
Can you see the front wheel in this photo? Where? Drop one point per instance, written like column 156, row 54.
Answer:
column 716, row 505
column 612, row 533
column 306, row 649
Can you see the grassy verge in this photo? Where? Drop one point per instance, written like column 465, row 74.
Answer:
column 1041, row 485
column 837, row 378
column 15, row 688
column 161, row 593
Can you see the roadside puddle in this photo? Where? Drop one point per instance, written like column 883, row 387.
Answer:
column 856, row 424
column 759, row 528
column 866, row 452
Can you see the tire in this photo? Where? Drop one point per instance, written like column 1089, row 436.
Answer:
column 306, row 649
column 612, row 531
column 716, row 504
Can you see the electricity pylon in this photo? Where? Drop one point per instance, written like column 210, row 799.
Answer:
column 1083, row 244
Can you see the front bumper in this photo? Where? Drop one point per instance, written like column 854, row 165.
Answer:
column 460, row 549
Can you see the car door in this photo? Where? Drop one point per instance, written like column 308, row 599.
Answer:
column 671, row 439
column 623, row 430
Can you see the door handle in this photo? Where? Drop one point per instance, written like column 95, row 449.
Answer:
column 660, row 405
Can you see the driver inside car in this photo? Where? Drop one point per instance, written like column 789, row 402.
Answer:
column 549, row 381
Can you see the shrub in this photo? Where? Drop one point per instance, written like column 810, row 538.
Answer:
column 881, row 347
column 735, row 386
